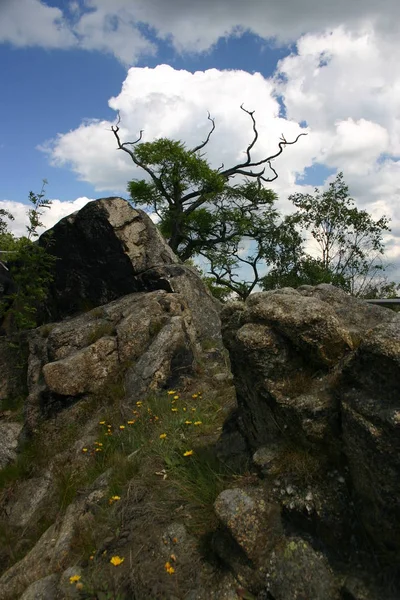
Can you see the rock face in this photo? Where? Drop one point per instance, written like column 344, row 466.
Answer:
column 317, row 380
column 102, row 250
column 314, row 514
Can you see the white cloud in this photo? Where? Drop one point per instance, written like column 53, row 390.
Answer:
column 49, row 217
column 114, row 26
column 32, row 23
column 168, row 103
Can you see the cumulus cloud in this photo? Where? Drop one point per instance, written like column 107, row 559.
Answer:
column 164, row 102
column 49, row 217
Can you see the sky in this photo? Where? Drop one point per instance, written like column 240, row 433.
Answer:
column 330, row 69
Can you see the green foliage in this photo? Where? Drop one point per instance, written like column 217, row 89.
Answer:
column 348, row 240
column 30, row 268
column 201, row 213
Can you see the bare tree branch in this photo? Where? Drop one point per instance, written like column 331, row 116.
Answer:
column 200, row 146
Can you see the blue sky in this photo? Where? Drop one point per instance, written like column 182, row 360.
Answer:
column 303, row 65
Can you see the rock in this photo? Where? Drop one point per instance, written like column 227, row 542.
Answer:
column 371, row 433
column 254, row 524
column 297, row 572
column 49, row 554
column 9, row 434
column 43, row 589
column 101, row 250
column 31, row 494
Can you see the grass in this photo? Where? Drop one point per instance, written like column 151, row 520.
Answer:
column 101, row 330
column 158, row 447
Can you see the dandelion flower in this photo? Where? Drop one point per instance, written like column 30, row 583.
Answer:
column 176, row 397
column 188, row 422
column 84, row 449
column 198, row 422
column 171, row 392
column 102, row 422
column 116, row 561
column 74, row 578
column 195, row 396
column 98, row 449
column 131, row 422
column 174, row 409
column 163, row 436
column 139, row 403
column 170, row 569
column 188, row 453
column 184, row 409
column 114, row 499
column 122, row 426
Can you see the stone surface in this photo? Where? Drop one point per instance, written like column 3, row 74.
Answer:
column 49, row 554
column 9, row 434
column 101, row 251
column 43, row 589
column 253, row 523
column 371, row 432
column 297, row 572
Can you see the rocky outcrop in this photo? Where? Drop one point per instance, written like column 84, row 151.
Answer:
column 101, row 251
column 317, row 380
column 133, row 445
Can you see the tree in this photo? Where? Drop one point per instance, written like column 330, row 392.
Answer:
column 199, row 212
column 30, row 268
column 348, row 240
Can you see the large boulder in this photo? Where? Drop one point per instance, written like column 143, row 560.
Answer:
column 101, row 251
column 317, row 379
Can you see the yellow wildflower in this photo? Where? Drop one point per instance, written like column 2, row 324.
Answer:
column 139, row 403
column 194, row 395
column 176, row 397
column 188, row 422
column 184, row 409
column 163, row 436
column 174, row 409
column 84, row 450
column 171, row 392
column 91, row 557
column 170, row 570
column 74, row 578
column 109, row 426
column 102, row 422
column 116, row 560
column 198, row 422
column 98, row 449
column 122, row 426
column 188, row 453
column 131, row 422
column 114, row 499
column 193, row 409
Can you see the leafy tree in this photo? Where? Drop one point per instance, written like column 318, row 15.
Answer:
column 348, row 240
column 200, row 212
column 30, row 268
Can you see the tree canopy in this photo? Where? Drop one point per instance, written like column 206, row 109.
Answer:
column 201, row 212
column 347, row 242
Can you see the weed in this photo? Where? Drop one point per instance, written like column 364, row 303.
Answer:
column 298, row 383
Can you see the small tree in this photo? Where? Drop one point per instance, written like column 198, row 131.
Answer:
column 349, row 241
column 30, row 268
